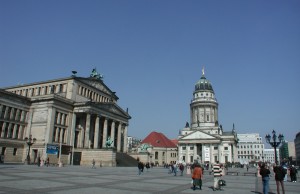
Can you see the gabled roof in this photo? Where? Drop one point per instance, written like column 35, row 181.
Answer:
column 158, row 140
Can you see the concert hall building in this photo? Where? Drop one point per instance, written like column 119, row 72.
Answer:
column 70, row 118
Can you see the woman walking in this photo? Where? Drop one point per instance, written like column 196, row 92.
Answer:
column 264, row 172
column 197, row 176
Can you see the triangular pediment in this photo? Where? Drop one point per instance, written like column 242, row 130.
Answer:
column 198, row 135
column 114, row 109
column 96, row 83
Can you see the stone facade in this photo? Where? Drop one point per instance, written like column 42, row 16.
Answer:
column 75, row 114
column 250, row 148
column 203, row 139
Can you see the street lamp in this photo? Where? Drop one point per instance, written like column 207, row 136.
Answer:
column 30, row 141
column 274, row 141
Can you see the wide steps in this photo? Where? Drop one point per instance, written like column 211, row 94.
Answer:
column 125, row 160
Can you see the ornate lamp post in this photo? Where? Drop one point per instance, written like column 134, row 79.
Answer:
column 274, row 141
column 30, row 141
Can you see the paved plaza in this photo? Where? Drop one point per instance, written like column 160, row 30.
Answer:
column 120, row 180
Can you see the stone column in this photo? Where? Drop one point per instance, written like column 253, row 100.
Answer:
column 187, row 154
column 112, row 133
column 3, row 129
column 203, row 153
column 6, row 112
column 56, row 134
column 119, row 137
column 63, row 119
column 87, row 131
column 125, row 139
column 21, row 132
column 12, row 114
column 81, row 137
column 220, row 156
column 104, row 133
column 58, row 118
column 195, row 150
column 96, row 135
column 15, row 131
column 212, row 158
column 61, row 132
column 50, row 124
column 1, row 107
column 17, row 116
column 9, row 130
column 23, row 116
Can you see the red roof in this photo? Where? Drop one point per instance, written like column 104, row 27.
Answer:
column 159, row 140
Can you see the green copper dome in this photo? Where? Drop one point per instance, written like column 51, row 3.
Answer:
column 203, row 85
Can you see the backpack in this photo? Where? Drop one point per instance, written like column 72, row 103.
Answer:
column 222, row 182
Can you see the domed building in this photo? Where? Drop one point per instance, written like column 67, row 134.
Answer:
column 203, row 139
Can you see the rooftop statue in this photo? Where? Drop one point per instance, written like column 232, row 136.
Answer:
column 96, row 75
column 144, row 147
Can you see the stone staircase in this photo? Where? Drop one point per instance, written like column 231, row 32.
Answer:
column 125, row 160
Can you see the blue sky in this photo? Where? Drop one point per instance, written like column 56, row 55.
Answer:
column 152, row 52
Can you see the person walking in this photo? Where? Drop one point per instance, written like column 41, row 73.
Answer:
column 93, row 164
column 279, row 177
column 175, row 169
column 197, row 177
column 265, row 175
column 140, row 167
column 48, row 161
column 181, row 168
column 293, row 174
column 217, row 174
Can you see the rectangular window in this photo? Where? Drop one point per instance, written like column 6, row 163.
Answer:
column 192, row 148
column 184, row 148
column 15, row 151
column 216, row 148
column 156, row 155
column 225, row 148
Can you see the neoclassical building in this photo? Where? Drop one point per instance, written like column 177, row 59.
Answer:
column 74, row 115
column 203, row 139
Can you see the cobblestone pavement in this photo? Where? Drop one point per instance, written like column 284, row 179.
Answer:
column 121, row 180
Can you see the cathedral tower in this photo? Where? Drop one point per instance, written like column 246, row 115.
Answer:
column 204, row 105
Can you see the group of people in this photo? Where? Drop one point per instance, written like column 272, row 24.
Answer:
column 197, row 171
column 280, row 172
column 41, row 162
column 174, row 168
column 197, row 175
column 141, row 167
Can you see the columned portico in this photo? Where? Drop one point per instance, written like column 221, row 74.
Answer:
column 97, row 130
